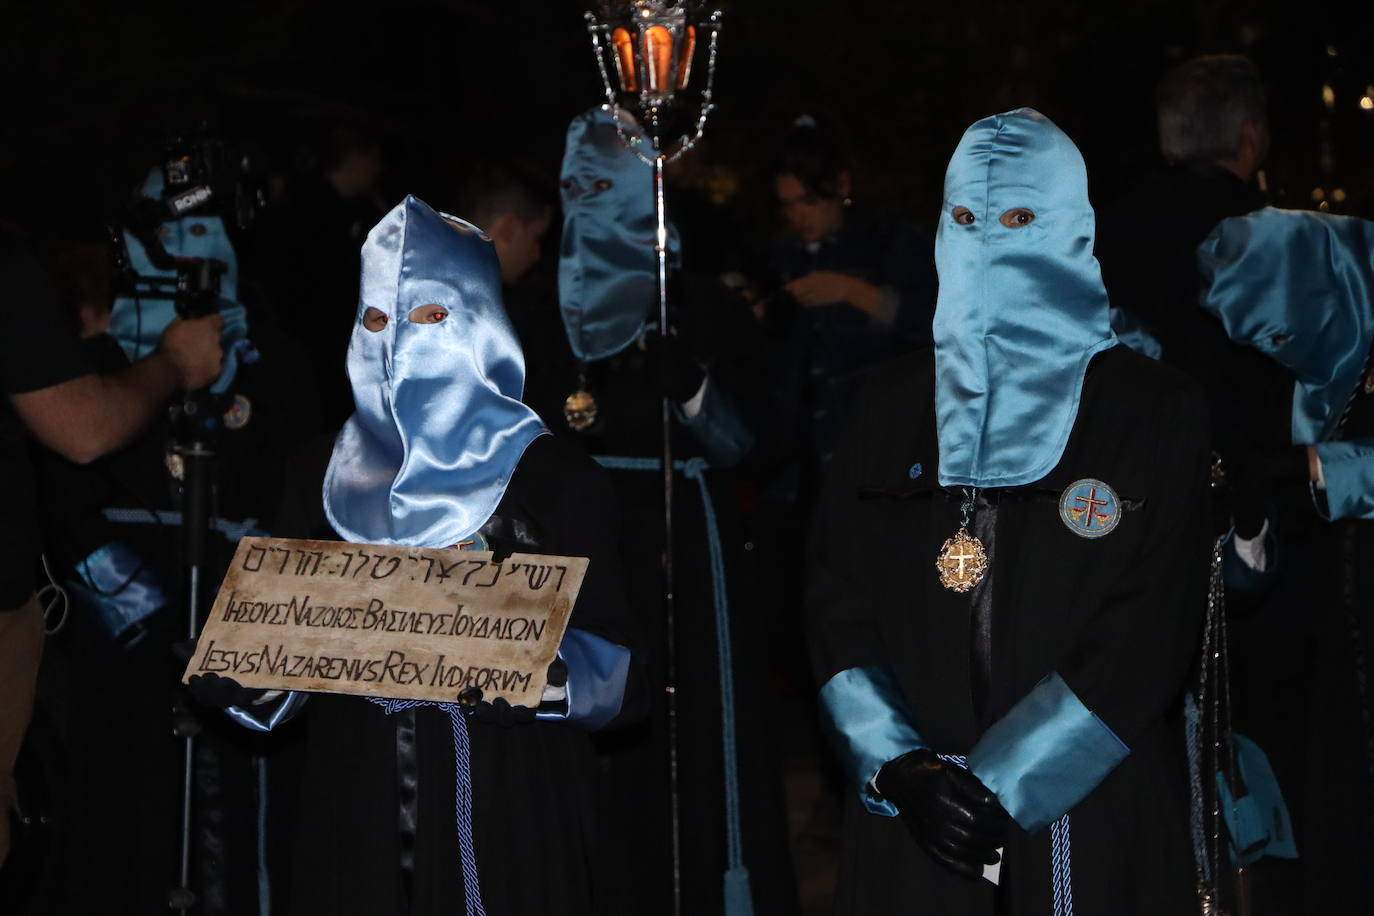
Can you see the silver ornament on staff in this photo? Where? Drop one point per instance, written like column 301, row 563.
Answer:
column 651, row 46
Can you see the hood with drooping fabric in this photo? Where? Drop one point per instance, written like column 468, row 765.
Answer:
column 439, row 427
column 1021, row 310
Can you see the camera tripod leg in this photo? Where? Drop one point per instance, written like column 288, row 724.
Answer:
column 195, row 531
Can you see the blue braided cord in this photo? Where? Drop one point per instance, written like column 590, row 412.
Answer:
column 462, row 794
column 1191, row 727
column 1061, row 866
column 232, row 531
column 694, row 469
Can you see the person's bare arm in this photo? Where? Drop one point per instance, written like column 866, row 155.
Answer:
column 825, row 287
column 90, row 416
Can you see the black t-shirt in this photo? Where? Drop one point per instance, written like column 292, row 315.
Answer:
column 39, row 348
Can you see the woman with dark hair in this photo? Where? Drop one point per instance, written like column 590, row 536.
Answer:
column 855, row 288
column 849, row 289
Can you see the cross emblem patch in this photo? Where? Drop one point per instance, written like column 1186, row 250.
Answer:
column 1090, row 508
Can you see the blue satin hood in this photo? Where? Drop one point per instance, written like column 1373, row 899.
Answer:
column 1296, row 286
column 439, row 427
column 1021, row 311
column 137, row 324
column 607, row 264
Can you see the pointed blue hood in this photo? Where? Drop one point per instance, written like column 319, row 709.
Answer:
column 1021, row 310
column 607, row 263
column 439, row 426
column 1296, row 286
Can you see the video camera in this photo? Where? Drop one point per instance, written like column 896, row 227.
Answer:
column 200, row 174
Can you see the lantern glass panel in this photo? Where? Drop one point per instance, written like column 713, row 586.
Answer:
column 684, row 58
column 625, row 60
column 658, row 57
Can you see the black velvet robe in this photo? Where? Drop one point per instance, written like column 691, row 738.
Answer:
column 1118, row 617
column 534, row 785
column 638, row 878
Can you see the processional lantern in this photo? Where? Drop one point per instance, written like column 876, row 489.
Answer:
column 651, row 46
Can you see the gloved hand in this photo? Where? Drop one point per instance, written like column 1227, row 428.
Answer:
column 1254, row 476
column 955, row 818
column 679, row 374
column 222, row 692
column 499, row 711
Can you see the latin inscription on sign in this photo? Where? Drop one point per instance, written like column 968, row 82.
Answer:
column 401, row 622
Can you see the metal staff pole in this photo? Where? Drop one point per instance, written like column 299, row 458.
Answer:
column 652, row 65
column 669, row 604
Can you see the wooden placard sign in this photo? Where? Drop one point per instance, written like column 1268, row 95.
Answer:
column 402, row 622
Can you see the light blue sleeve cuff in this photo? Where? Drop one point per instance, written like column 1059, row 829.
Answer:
column 1046, row 754
column 597, row 672
column 1348, row 469
column 724, row 438
column 868, row 723
column 268, row 716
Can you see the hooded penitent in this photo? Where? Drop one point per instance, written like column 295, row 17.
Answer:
column 137, row 323
column 1296, row 286
column 1021, row 308
column 439, row 427
column 607, row 265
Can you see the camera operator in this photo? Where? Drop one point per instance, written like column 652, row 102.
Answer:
column 54, row 394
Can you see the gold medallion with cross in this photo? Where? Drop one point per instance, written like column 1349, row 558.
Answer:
column 962, row 562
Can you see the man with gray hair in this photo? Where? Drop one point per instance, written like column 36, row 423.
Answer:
column 1213, row 136
column 1211, row 110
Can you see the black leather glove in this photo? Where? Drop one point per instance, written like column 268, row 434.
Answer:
column 679, row 374
column 952, row 816
column 1254, row 476
column 499, row 711
column 222, row 692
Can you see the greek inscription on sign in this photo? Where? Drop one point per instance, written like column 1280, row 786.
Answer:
column 401, row 622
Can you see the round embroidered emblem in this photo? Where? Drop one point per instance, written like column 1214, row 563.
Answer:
column 474, row 541
column 239, row 413
column 1090, row 508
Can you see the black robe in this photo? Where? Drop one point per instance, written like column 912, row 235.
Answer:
column 534, row 785
column 719, row 332
column 1118, row 617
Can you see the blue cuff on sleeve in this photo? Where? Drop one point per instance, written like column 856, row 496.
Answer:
column 597, row 672
column 724, row 439
column 868, row 723
column 283, row 710
column 1348, row 470
column 1046, row 754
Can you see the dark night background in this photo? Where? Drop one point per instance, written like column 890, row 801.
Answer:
column 89, row 83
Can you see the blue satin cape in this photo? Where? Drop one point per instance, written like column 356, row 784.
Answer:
column 138, row 323
column 607, row 263
column 1021, row 311
column 1299, row 287
column 438, row 428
